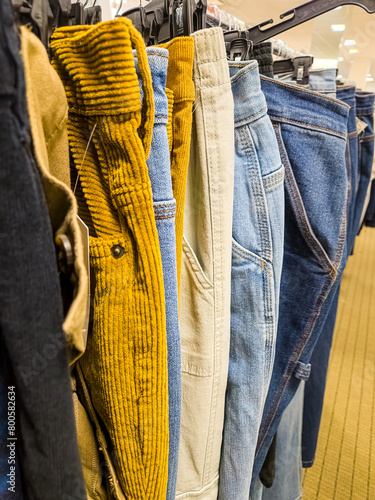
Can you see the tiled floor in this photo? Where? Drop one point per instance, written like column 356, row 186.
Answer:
column 345, row 462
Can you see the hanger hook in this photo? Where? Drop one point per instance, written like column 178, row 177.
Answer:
column 118, row 10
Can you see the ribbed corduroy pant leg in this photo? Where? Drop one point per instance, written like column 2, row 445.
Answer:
column 125, row 364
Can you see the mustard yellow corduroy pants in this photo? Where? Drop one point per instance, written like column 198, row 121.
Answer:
column 125, row 363
column 181, row 97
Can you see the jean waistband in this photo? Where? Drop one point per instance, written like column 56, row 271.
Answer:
column 304, row 107
column 364, row 102
column 158, row 62
column 210, row 58
column 249, row 101
column 346, row 94
column 323, row 80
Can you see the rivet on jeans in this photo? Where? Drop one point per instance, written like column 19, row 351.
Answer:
column 117, row 251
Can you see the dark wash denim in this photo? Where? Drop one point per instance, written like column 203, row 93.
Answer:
column 31, row 313
column 370, row 212
column 365, row 112
column 346, row 94
column 315, row 386
column 311, row 131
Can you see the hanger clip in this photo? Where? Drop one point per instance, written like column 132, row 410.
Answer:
column 302, row 64
column 238, row 45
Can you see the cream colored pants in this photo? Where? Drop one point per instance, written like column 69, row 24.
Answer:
column 206, row 270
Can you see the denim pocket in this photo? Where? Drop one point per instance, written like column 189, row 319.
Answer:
column 321, row 219
column 253, row 291
column 197, row 317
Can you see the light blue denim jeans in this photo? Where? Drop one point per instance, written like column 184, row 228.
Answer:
column 257, row 254
column 287, row 484
column 159, row 171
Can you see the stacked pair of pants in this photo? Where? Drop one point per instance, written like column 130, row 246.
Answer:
column 110, row 132
column 311, row 131
column 257, row 253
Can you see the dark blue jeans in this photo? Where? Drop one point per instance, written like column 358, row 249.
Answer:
column 31, row 312
column 365, row 112
column 361, row 164
column 311, row 131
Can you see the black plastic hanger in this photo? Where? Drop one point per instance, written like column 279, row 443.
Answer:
column 140, row 21
column 194, row 15
column 301, row 14
column 150, row 19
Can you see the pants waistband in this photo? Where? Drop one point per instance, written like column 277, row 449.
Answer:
column 249, row 101
column 364, row 103
column 323, row 80
column 210, row 58
column 158, row 62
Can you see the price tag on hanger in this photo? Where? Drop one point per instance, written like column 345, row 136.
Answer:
column 86, row 261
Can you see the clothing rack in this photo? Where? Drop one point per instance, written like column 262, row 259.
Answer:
column 219, row 17
column 281, row 49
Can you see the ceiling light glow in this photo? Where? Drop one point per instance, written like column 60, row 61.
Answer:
column 369, row 79
column 350, row 43
column 340, row 59
column 338, row 28
column 353, row 51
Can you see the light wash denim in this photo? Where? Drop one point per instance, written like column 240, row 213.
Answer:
column 320, row 80
column 165, row 214
column 257, row 254
column 323, row 81
column 311, row 131
column 287, row 484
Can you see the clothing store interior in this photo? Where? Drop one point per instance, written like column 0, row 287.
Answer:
column 187, row 250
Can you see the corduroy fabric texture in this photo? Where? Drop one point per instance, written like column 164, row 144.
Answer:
column 180, row 82
column 125, row 363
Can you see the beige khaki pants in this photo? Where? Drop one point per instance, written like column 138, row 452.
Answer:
column 206, row 270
